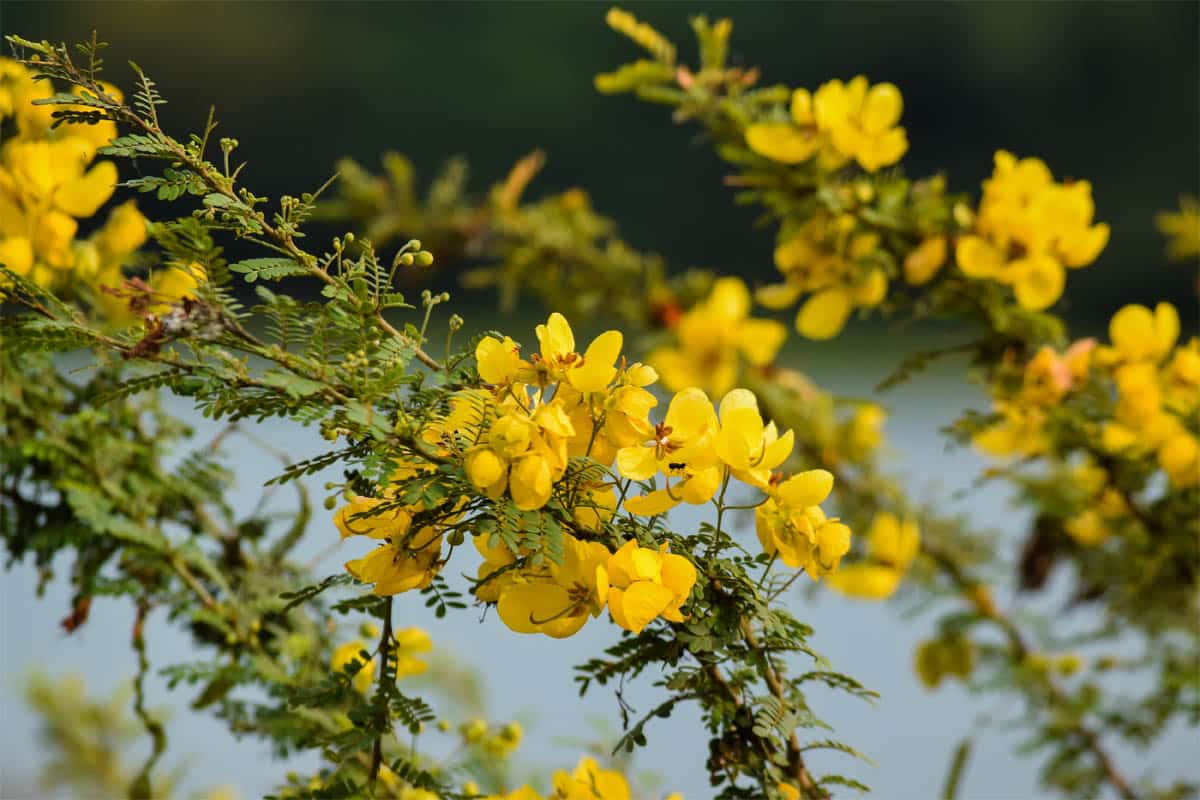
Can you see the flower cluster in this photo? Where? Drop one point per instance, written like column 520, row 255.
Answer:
column 515, row 438
column 1158, row 390
column 838, row 123
column 838, row 265
column 713, row 337
column 408, row 642
column 49, row 180
column 792, row 526
column 409, row 557
column 1029, row 228
column 1045, row 380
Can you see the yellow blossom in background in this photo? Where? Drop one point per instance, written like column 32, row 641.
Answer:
column 714, row 337
column 48, row 182
column 1139, row 334
column 1182, row 229
column 937, row 659
column 840, row 122
column 590, row 782
column 353, row 651
column 892, row 544
column 825, row 259
column 924, row 261
column 1029, row 229
column 409, row 642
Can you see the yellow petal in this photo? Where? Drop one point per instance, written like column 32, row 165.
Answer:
column 1082, row 247
column 802, row 107
column 497, row 360
column 824, row 314
column 555, row 337
column 16, row 253
column 636, row 607
column 526, row 607
column 871, row 291
column 778, row 295
column 809, row 488
column 977, row 258
column 1039, row 283
column 530, row 483
column 678, row 575
column 925, row 260
column 866, row 581
column 883, row 150
column 637, row 462
column 597, row 370
column 782, row 141
column 83, row 196
column 649, row 505
column 729, row 300
column 881, row 108
column 760, row 340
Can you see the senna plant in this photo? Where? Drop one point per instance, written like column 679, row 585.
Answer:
column 559, row 461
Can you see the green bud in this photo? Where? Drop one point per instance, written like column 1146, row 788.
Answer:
column 424, row 258
column 330, row 503
column 456, row 538
column 406, row 259
column 413, row 244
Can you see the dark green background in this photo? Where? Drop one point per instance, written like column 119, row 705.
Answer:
column 1104, row 91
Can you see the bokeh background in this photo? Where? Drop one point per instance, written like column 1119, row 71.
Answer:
column 1109, row 92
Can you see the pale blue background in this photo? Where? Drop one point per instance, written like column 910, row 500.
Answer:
column 909, row 733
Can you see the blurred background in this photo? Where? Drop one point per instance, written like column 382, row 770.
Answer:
column 1109, row 92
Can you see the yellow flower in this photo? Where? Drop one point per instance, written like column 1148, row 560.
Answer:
column 18, row 90
column 498, row 361
column 791, row 524
column 173, row 284
column 409, row 562
column 1029, row 229
column 838, row 266
column 559, row 600
column 1088, row 528
column 749, row 448
column 1139, row 334
column 840, row 122
column 360, row 518
column 713, row 337
column 558, row 361
column 923, row 263
column 410, row 641
column 892, row 545
column 645, row 584
column 788, row 792
column 44, row 187
column 861, row 120
column 505, row 742
column 353, row 651
column 1182, row 229
column 681, row 447
column 1019, row 432
column 590, row 782
column 783, row 141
